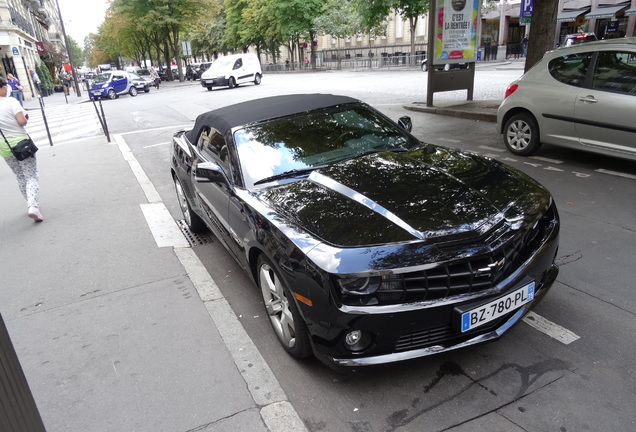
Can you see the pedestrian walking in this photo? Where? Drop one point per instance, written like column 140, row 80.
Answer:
column 64, row 79
column 306, row 62
column 13, row 118
column 36, row 80
column 155, row 76
column 16, row 87
column 524, row 46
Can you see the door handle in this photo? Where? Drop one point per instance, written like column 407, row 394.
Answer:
column 589, row 98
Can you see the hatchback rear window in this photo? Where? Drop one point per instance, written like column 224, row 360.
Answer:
column 570, row 69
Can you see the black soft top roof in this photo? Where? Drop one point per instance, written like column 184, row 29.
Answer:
column 224, row 119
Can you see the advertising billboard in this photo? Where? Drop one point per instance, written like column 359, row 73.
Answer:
column 456, row 31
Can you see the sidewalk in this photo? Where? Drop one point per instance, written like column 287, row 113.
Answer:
column 118, row 327
column 483, row 110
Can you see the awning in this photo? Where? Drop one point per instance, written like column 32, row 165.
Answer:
column 606, row 11
column 568, row 15
column 630, row 11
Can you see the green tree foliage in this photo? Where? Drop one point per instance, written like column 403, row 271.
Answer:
column 297, row 20
column 375, row 11
column 76, row 51
column 150, row 29
column 340, row 20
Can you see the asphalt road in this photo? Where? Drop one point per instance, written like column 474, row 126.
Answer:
column 574, row 375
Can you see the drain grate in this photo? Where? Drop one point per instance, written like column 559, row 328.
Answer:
column 193, row 238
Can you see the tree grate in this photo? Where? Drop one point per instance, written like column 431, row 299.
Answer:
column 193, row 238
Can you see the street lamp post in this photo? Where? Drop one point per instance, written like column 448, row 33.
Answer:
column 69, row 51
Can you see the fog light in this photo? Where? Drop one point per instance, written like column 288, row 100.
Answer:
column 357, row 340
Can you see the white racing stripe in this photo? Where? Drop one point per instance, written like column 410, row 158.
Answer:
column 553, row 330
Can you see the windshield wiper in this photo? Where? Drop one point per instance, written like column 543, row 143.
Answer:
column 288, row 174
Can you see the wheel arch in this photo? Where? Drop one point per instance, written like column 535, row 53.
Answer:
column 514, row 111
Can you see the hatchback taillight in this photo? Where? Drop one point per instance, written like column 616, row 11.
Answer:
column 510, row 90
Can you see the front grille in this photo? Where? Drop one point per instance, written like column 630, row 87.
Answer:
column 443, row 335
column 505, row 252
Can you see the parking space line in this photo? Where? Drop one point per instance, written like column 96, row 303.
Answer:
column 616, row 173
column 495, row 149
column 553, row 330
column 545, row 159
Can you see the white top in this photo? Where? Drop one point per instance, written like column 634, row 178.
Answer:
column 9, row 107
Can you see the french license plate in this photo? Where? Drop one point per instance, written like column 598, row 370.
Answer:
column 496, row 308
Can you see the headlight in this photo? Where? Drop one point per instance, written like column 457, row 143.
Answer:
column 360, row 285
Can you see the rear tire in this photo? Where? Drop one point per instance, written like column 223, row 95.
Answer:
column 257, row 79
column 521, row 134
column 424, row 67
column 281, row 308
column 447, row 67
column 209, row 88
column 194, row 222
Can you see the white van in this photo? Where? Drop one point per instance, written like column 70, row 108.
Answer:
column 232, row 70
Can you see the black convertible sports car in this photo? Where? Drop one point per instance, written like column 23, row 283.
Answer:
column 368, row 245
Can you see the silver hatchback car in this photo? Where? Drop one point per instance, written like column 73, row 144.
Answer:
column 582, row 97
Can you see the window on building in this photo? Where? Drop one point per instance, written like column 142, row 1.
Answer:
column 399, row 26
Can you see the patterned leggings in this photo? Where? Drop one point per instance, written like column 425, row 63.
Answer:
column 26, row 172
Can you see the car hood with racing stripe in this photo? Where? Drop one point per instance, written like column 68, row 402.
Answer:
column 430, row 194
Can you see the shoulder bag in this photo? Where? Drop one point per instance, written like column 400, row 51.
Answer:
column 22, row 150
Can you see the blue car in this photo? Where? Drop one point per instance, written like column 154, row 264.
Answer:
column 112, row 84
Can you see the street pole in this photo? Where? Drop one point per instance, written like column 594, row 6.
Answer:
column 69, row 51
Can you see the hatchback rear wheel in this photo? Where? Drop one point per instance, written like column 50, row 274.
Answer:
column 281, row 309
column 521, row 134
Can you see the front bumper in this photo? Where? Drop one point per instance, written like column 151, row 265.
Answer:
column 213, row 82
column 97, row 93
column 412, row 330
column 453, row 340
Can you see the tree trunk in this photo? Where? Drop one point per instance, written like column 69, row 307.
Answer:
column 312, row 50
column 542, row 30
column 412, row 25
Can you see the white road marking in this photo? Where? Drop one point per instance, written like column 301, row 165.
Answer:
column 157, row 145
column 162, row 226
column 449, row 140
column 276, row 410
column 553, row 330
column 544, row 159
column 496, row 149
column 616, row 173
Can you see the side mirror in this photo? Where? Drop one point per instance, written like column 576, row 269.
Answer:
column 209, row 172
column 405, row 123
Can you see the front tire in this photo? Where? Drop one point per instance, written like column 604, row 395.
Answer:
column 194, row 222
column 209, row 88
column 231, row 82
column 447, row 67
column 521, row 134
column 281, row 308
column 111, row 94
column 425, row 67
column 133, row 91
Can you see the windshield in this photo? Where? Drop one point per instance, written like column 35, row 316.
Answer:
column 221, row 63
column 315, row 139
column 102, row 78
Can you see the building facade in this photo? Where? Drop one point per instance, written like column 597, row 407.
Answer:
column 25, row 26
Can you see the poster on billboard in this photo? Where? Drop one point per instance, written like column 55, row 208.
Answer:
column 456, row 31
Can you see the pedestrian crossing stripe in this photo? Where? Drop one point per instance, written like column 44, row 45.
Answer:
column 65, row 122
